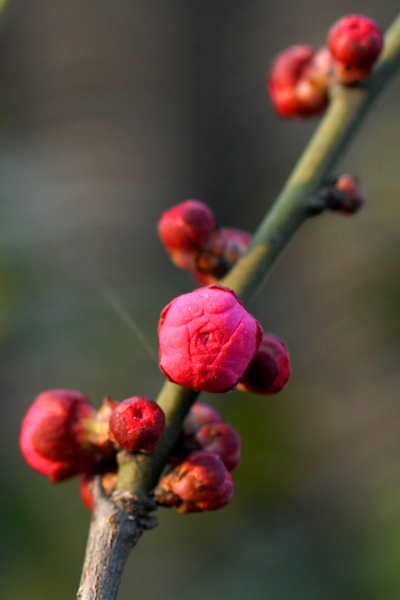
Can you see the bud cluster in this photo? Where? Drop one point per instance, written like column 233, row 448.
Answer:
column 194, row 242
column 301, row 76
column 203, row 429
column 204, row 454
column 209, row 342
column 62, row 435
column 200, row 483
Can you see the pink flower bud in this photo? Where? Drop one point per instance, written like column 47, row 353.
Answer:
column 223, row 440
column 108, row 472
column 294, row 83
column 269, row 370
column 54, row 438
column 355, row 42
column 184, row 228
column 137, row 424
column 207, row 339
column 201, row 482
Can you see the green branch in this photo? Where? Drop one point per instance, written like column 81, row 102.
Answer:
column 3, row 6
column 347, row 110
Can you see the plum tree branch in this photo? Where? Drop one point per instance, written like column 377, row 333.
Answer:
column 138, row 475
column 347, row 110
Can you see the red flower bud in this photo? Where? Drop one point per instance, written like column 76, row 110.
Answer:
column 108, row 472
column 214, row 501
column 207, row 339
column 201, row 482
column 223, row 440
column 54, row 438
column 269, row 370
column 137, row 424
column 199, row 415
column 184, row 228
column 295, row 84
column 355, row 42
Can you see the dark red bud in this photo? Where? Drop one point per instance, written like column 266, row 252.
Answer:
column 269, row 370
column 184, row 228
column 137, row 424
column 201, row 482
column 223, row 440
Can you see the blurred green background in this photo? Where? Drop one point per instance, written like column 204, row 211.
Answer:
column 111, row 112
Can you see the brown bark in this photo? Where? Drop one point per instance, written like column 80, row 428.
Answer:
column 116, row 527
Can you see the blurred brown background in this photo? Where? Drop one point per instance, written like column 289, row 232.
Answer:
column 111, row 112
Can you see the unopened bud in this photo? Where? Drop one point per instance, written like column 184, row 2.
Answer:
column 297, row 85
column 199, row 415
column 355, row 42
column 269, row 370
column 207, row 339
column 137, row 424
column 220, row 252
column 223, row 440
column 55, row 434
column 201, row 482
column 344, row 193
column 183, row 229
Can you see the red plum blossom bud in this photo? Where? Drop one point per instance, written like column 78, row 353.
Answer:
column 207, row 339
column 137, row 424
column 183, row 230
column 199, row 415
column 355, row 42
column 223, row 440
column 269, row 370
column 55, row 434
column 201, row 482
column 295, row 84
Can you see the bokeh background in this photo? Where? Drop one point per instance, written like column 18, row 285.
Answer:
column 111, row 112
